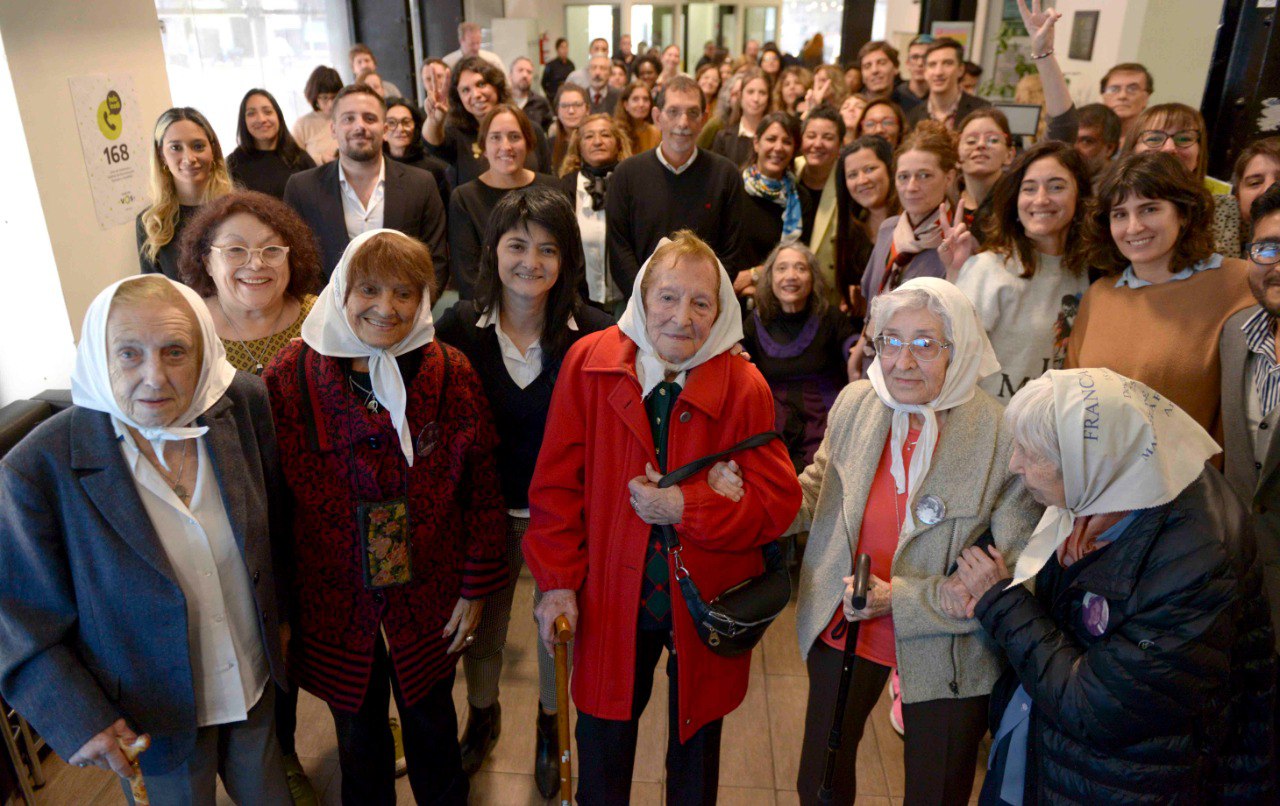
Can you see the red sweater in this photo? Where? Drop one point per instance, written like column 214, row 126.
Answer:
column 584, row 536
column 328, row 442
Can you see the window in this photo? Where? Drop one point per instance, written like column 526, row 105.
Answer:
column 216, row 50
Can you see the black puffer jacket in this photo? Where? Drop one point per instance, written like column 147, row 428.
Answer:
column 1172, row 703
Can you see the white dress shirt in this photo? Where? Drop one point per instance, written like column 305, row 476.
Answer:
column 228, row 663
column 358, row 216
column 600, row 286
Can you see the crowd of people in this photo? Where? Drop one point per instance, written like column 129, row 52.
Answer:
column 1032, row 379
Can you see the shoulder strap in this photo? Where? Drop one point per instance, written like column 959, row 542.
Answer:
column 681, row 473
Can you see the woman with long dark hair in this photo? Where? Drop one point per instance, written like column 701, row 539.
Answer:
column 865, row 198
column 525, row 316
column 633, row 115
column 266, row 154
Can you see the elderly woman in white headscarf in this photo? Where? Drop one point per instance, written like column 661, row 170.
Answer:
column 1141, row 668
column 632, row 402
column 914, row 467
column 138, row 525
column 386, row 444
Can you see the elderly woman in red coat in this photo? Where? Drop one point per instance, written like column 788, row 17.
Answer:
column 632, row 402
column 386, row 443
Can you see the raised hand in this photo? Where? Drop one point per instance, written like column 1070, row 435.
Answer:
column 1039, row 23
column 436, row 104
column 958, row 245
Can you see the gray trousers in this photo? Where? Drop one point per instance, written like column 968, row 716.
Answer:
column 482, row 663
column 245, row 755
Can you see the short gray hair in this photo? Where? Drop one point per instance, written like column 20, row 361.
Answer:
column 467, row 27
column 1033, row 419
column 885, row 305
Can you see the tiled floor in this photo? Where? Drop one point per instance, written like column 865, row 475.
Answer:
column 759, row 754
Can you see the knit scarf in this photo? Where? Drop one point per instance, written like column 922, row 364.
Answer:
column 781, row 192
column 597, row 182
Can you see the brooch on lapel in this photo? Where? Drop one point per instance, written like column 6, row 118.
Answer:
column 1095, row 613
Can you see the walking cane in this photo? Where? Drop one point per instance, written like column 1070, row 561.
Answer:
column 131, row 752
column 563, row 636
column 861, row 578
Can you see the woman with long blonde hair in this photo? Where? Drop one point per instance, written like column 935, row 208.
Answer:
column 187, row 170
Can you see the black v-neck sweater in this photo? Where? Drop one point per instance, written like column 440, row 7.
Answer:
column 519, row 414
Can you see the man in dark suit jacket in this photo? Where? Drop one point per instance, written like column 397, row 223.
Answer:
column 104, row 578
column 601, row 98
column 362, row 190
column 1251, row 391
column 946, row 102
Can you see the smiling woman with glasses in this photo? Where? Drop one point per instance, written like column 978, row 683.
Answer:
column 914, row 467
column 403, row 143
column 1179, row 130
column 255, row 264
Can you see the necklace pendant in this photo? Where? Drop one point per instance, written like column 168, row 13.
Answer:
column 181, row 491
column 257, row 368
column 372, row 405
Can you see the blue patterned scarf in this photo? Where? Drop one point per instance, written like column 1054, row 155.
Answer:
column 781, row 192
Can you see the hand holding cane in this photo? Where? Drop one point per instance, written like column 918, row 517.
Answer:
column 131, row 752
column 861, row 579
column 564, row 634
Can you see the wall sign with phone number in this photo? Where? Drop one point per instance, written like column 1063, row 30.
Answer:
column 113, row 133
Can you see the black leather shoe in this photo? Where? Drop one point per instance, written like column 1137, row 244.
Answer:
column 483, row 727
column 546, row 758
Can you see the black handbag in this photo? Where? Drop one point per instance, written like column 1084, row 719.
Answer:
column 735, row 621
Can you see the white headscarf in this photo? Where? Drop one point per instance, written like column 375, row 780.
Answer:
column 91, row 379
column 650, row 368
column 1124, row 447
column 328, row 332
column 972, row 359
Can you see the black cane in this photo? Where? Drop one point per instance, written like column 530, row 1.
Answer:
column 861, row 578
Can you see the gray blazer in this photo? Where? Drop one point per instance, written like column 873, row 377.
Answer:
column 1257, row 486
column 93, row 625
column 938, row 657
column 411, row 204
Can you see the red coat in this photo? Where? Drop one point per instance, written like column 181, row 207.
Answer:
column 328, row 442
column 584, row 535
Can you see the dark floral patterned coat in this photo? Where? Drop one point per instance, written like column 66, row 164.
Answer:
column 335, row 454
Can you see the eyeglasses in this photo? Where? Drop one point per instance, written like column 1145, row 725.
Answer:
column 921, row 349
column 1127, row 89
column 1264, row 253
column 237, row 257
column 399, row 123
column 1154, row 138
column 569, row 106
column 990, row 140
column 673, row 113
column 888, row 124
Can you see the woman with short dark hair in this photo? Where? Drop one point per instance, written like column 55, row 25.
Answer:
column 403, row 143
column 524, row 318
column 266, row 154
column 314, row 131
column 1158, row 311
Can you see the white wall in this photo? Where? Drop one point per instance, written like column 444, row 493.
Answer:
column 36, row 346
column 1177, row 45
column 46, row 43
column 901, row 16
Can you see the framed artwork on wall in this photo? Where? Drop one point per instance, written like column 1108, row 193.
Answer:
column 962, row 32
column 1084, row 27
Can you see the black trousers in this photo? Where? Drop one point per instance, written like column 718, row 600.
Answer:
column 286, row 718
column 941, row 738
column 366, row 751
column 607, row 747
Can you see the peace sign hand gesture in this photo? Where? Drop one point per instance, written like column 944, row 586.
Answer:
column 958, row 244
column 437, row 103
column 1039, row 23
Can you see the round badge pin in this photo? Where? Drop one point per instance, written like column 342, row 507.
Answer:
column 1095, row 613
column 930, row 510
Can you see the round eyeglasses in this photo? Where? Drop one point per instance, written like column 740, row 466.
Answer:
column 1264, row 253
column 238, row 257
column 922, row 349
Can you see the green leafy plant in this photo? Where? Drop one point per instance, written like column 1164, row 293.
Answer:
column 1007, row 49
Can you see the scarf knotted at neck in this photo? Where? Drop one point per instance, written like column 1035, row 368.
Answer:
column 909, row 241
column 597, row 182
column 781, row 192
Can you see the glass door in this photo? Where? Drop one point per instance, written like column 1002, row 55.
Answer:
column 583, row 23
column 761, row 25
column 653, row 26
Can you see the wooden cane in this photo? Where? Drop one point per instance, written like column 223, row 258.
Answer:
column 131, row 752
column 563, row 636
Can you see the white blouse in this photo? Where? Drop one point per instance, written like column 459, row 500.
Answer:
column 228, row 663
column 601, row 288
